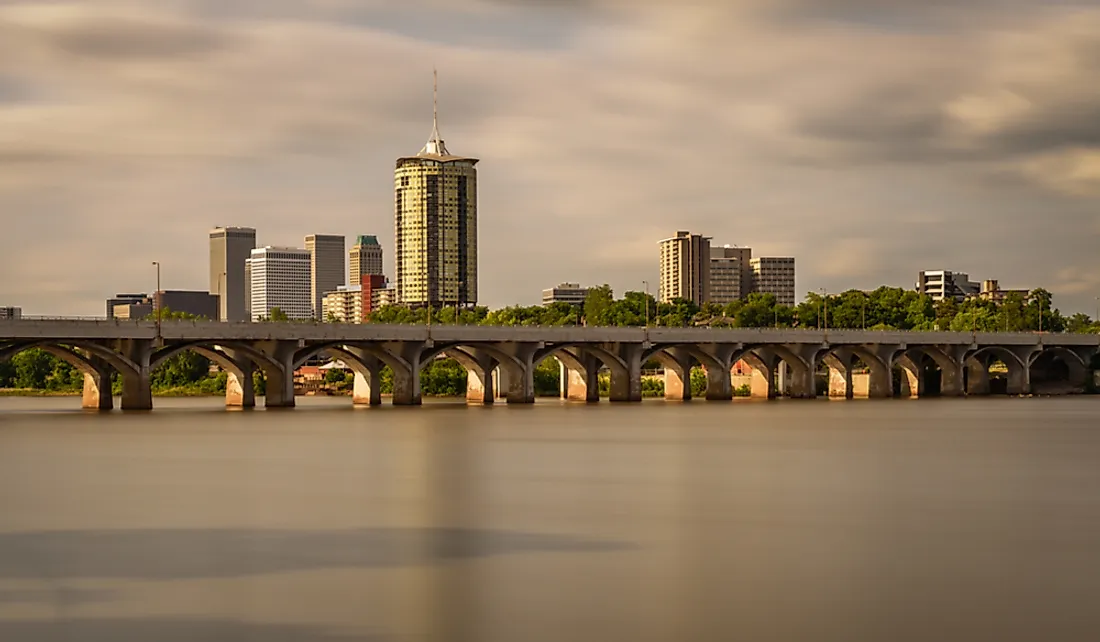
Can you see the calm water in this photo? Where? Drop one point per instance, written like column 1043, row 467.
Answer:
column 892, row 520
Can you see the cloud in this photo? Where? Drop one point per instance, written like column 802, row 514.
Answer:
column 868, row 140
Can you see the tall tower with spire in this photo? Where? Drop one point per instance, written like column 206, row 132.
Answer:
column 435, row 223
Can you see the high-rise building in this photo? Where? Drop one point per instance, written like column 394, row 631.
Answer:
column 281, row 279
column 940, row 284
column 730, row 274
column 326, row 267
column 571, row 293
column 126, row 299
column 435, row 198
column 685, row 268
column 774, row 275
column 365, row 257
column 195, row 303
column 229, row 249
column 11, row 312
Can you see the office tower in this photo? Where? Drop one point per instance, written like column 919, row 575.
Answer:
column 774, row 275
column 730, row 274
column 685, row 268
column 326, row 267
column 281, row 279
column 229, row 249
column 435, row 197
column 365, row 257
column 571, row 293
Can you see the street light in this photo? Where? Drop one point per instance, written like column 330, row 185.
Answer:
column 156, row 298
column 825, row 303
column 646, row 302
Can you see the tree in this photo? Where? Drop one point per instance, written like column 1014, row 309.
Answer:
column 278, row 316
column 1080, row 323
column 597, row 304
column 32, row 368
column 336, row 377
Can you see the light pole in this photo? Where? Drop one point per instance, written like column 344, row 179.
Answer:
column 825, row 305
column 156, row 298
column 646, row 302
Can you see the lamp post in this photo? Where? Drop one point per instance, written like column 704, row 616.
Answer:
column 645, row 302
column 156, row 298
column 825, row 304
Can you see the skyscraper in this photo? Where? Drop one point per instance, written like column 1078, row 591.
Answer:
column 281, row 279
column 435, row 197
column 685, row 268
column 365, row 257
column 326, row 267
column 229, row 249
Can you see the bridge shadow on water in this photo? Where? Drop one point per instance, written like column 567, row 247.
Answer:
column 223, row 553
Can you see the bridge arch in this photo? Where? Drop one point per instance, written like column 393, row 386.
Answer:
column 97, row 371
column 979, row 380
column 1057, row 369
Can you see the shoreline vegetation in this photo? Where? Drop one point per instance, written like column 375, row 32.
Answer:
column 36, row 372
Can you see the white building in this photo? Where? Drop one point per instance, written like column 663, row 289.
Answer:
column 11, row 313
column 685, row 268
column 774, row 275
column 571, row 293
column 365, row 257
column 345, row 305
column 326, row 268
column 280, row 278
column 940, row 284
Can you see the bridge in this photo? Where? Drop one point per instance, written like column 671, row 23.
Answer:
column 501, row 361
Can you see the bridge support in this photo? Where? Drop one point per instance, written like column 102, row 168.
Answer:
column 580, row 376
column 97, row 386
column 840, row 377
column 677, row 365
column 626, row 374
column 912, row 378
column 137, row 388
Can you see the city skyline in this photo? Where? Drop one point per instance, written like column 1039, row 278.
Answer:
column 846, row 144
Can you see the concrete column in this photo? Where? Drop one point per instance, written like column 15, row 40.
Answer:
column 501, row 382
column 406, row 374
column 580, row 381
column 479, row 386
column 977, row 374
column 782, row 378
column 881, row 382
column 97, row 390
column 719, row 385
column 521, row 386
column 137, row 391
column 761, row 385
column 240, row 392
column 677, row 384
column 802, row 383
column 367, row 389
column 952, row 378
column 1019, row 379
column 626, row 382
column 840, row 382
column 912, row 384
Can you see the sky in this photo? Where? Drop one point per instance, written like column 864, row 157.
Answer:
column 868, row 139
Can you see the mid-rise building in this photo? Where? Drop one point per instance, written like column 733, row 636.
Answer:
column 571, row 293
column 774, row 275
column 730, row 274
column 435, row 203
column 193, row 302
column 373, row 285
column 126, row 299
column 365, row 257
column 685, row 268
column 941, row 284
column 383, row 297
column 11, row 312
column 345, row 305
column 326, row 267
column 230, row 247
column 991, row 291
column 280, row 279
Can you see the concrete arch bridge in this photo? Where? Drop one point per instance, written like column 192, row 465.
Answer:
column 501, row 360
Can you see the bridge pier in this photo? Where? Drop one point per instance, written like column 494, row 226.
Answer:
column 977, row 377
column 579, row 376
column 677, row 366
column 137, row 387
column 97, row 391
column 912, row 378
column 626, row 375
column 840, row 377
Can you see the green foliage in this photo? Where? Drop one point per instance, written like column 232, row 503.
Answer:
column 548, row 378
column 698, row 382
column 443, row 378
column 653, row 387
column 278, row 316
column 337, row 377
column 597, row 304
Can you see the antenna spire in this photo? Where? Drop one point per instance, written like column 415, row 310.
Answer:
column 435, row 143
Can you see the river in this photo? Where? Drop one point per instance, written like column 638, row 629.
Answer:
column 952, row 519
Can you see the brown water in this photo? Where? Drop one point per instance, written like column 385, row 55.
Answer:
column 893, row 520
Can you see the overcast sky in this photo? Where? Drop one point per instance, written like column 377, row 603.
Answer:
column 869, row 139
